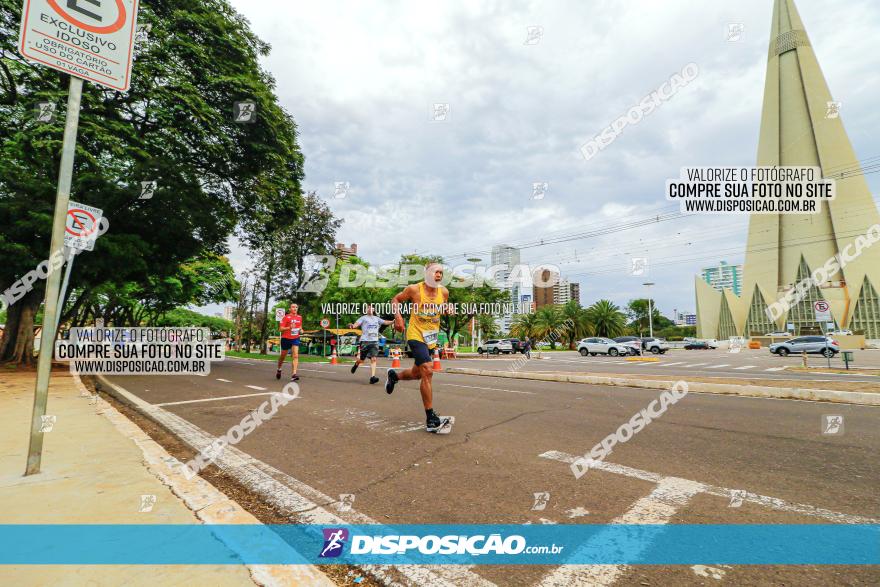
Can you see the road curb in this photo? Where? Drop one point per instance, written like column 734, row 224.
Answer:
column 825, row 395
column 207, row 502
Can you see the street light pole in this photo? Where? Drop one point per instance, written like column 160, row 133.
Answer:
column 650, row 310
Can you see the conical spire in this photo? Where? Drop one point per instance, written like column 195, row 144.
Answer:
column 802, row 126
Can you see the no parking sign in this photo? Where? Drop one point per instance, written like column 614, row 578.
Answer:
column 81, row 226
column 823, row 311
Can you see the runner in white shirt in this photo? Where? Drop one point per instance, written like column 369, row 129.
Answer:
column 370, row 325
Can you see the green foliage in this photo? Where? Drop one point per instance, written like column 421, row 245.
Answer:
column 524, row 325
column 606, row 318
column 675, row 332
column 185, row 317
column 637, row 312
column 174, row 126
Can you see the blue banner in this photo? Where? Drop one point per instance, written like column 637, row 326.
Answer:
column 760, row 544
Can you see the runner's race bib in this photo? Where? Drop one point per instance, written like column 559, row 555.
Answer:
column 430, row 336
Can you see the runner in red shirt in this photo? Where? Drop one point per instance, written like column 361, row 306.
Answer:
column 291, row 328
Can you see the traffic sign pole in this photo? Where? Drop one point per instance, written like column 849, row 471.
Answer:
column 66, row 282
column 53, row 283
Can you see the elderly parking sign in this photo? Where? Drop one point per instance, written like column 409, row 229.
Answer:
column 90, row 39
column 81, row 226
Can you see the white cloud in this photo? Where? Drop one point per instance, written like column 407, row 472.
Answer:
column 360, row 79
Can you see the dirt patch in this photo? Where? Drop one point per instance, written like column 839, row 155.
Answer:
column 339, row 574
column 874, row 372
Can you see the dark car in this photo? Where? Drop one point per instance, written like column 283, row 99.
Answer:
column 517, row 345
column 699, row 345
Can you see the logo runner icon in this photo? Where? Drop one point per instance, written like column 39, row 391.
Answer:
column 334, row 540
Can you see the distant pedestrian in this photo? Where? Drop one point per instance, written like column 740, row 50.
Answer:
column 527, row 347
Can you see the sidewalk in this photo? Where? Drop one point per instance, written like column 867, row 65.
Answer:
column 99, row 468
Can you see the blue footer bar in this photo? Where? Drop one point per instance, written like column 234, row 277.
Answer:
column 793, row 544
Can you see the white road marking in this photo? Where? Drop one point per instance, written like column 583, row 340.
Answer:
column 710, row 572
column 762, row 500
column 670, row 364
column 696, row 364
column 294, row 498
column 212, row 399
column 670, row 495
column 224, row 380
column 745, row 367
column 717, row 366
column 490, row 388
column 257, row 387
column 775, row 369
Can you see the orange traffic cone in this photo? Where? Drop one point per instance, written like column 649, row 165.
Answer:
column 333, row 360
column 395, row 358
column 436, row 366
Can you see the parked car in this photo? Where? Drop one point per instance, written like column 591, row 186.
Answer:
column 839, row 333
column 602, row 346
column 632, row 343
column 779, row 334
column 516, row 344
column 496, row 347
column 655, row 345
column 823, row 345
column 700, row 345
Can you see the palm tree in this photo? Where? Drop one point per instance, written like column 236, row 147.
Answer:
column 576, row 323
column 524, row 325
column 606, row 318
column 548, row 323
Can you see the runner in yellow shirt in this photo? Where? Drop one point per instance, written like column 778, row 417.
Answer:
column 427, row 299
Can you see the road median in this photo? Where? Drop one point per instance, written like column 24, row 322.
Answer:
column 766, row 391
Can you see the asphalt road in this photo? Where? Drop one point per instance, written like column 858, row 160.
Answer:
column 514, row 438
column 748, row 363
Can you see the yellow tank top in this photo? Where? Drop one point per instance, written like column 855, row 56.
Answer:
column 424, row 322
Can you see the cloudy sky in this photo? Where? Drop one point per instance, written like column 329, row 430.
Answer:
column 361, row 80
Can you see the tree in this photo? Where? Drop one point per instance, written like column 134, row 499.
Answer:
column 314, row 234
column 487, row 325
column 637, row 311
column 185, row 317
column 200, row 281
column 548, row 323
column 576, row 322
column 524, row 325
column 607, row 319
column 174, row 126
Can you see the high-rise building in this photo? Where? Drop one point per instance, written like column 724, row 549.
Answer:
column 508, row 257
column 801, row 125
column 562, row 292
column 574, row 292
column 344, row 253
column 724, row 276
column 544, row 294
column 229, row 313
column 559, row 291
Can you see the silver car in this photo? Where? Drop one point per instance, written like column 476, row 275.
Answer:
column 496, row 347
column 822, row 345
column 601, row 346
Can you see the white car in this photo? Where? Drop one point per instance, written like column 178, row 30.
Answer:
column 779, row 334
column 601, row 346
column 496, row 347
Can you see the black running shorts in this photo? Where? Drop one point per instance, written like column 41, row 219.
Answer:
column 420, row 351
